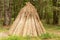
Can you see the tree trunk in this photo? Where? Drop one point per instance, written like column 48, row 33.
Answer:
column 10, row 10
column 55, row 14
column 41, row 9
column 7, row 13
column 1, row 8
column 55, row 17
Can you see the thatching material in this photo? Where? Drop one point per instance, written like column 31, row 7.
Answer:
column 27, row 22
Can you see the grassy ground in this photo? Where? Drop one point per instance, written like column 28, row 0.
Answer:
column 54, row 30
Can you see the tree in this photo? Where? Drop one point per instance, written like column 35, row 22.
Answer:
column 7, row 12
column 41, row 7
column 1, row 8
column 48, row 12
column 55, row 14
column 17, row 5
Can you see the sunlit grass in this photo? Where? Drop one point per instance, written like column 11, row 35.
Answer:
column 20, row 38
column 47, row 36
column 49, row 28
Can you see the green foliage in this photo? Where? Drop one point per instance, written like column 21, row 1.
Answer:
column 46, row 36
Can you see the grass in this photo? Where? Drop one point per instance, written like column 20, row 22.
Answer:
column 46, row 36
column 54, row 30
column 52, row 34
column 20, row 38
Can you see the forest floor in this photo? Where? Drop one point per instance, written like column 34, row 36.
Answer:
column 52, row 29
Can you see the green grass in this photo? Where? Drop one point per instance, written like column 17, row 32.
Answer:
column 20, row 38
column 42, row 37
column 49, row 28
column 46, row 36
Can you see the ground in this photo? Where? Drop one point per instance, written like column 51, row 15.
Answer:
column 52, row 29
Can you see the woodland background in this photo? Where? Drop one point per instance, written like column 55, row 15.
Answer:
column 48, row 11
